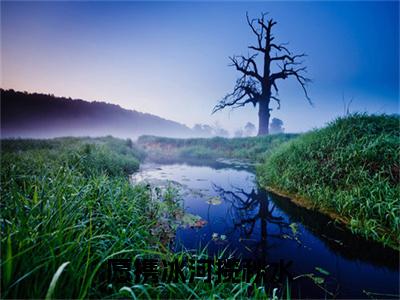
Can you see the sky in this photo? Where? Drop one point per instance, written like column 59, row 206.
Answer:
column 171, row 58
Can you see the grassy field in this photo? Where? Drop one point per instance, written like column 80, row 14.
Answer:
column 68, row 206
column 350, row 168
column 251, row 148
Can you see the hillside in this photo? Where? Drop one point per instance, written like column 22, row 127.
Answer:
column 42, row 116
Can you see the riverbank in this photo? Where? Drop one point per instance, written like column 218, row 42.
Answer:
column 307, row 204
column 242, row 218
column 68, row 200
column 349, row 168
column 68, row 207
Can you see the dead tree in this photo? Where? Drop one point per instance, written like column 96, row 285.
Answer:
column 258, row 85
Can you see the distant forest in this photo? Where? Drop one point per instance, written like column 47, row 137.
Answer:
column 39, row 115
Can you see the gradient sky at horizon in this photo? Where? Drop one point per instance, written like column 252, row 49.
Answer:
column 171, row 58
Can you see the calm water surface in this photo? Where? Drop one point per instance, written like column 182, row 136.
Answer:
column 254, row 223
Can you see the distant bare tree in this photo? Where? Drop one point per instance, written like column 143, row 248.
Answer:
column 258, row 81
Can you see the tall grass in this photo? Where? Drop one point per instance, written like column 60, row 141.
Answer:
column 252, row 148
column 67, row 207
column 201, row 289
column 67, row 200
column 350, row 167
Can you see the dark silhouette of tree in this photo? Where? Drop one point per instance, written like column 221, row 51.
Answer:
column 248, row 208
column 276, row 126
column 258, row 81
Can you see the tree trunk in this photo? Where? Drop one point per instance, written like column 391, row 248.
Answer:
column 263, row 118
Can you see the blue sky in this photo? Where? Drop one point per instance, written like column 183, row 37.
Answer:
column 171, row 58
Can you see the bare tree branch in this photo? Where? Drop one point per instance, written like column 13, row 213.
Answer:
column 243, row 64
column 245, row 91
column 255, row 88
column 280, row 47
column 260, row 35
column 260, row 49
column 288, row 57
column 277, row 100
column 287, row 70
column 267, row 27
column 275, row 87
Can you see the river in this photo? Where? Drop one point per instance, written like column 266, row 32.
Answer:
column 255, row 224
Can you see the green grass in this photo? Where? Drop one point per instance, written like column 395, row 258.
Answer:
column 350, row 167
column 67, row 200
column 251, row 148
column 68, row 206
column 91, row 155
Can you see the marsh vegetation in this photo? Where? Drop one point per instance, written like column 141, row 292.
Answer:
column 69, row 205
column 350, row 168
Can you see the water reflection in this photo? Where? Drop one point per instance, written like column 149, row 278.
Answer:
column 338, row 238
column 257, row 224
column 249, row 208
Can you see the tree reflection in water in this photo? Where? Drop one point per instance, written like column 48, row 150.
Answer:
column 248, row 208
